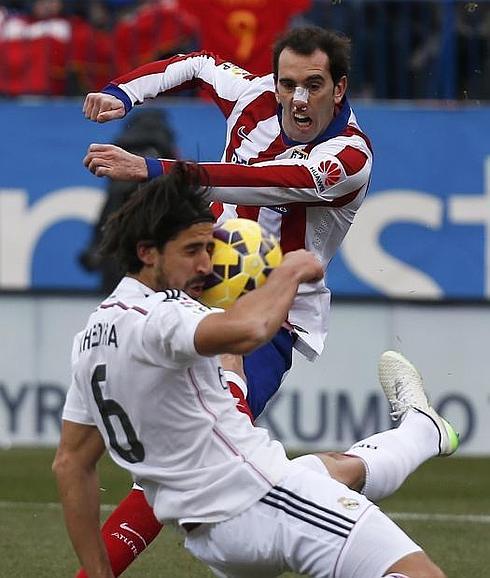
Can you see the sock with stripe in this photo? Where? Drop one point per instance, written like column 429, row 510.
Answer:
column 391, row 456
column 128, row 531
column 238, row 389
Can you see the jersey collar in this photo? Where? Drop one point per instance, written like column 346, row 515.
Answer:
column 132, row 285
column 336, row 126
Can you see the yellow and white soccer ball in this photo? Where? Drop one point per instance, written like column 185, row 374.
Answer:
column 243, row 257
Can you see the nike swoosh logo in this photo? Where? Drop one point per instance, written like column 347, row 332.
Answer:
column 125, row 526
column 242, row 134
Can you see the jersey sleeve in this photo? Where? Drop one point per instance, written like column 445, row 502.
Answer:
column 168, row 337
column 333, row 175
column 223, row 81
column 75, row 408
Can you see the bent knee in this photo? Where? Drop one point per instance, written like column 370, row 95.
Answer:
column 416, row 565
column 349, row 470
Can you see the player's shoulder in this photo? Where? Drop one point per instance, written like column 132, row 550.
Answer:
column 176, row 299
column 350, row 136
column 251, row 86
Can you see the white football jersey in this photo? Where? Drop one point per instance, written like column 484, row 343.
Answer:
column 305, row 194
column 164, row 411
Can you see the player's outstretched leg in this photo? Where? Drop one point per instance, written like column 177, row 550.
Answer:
column 128, row 531
column 391, row 456
column 404, row 389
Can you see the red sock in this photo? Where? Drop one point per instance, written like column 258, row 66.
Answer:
column 128, row 531
column 238, row 394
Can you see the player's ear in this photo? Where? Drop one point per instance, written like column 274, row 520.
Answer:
column 340, row 89
column 277, row 95
column 146, row 252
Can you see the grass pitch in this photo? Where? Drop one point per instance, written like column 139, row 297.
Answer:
column 444, row 506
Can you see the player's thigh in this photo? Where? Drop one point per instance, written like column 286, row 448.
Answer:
column 310, row 524
column 376, row 545
column 346, row 535
column 416, row 565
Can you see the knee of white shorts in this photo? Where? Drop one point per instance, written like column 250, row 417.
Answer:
column 374, row 545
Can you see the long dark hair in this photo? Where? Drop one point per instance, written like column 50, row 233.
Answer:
column 156, row 213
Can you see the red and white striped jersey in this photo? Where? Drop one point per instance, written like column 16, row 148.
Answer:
column 305, row 194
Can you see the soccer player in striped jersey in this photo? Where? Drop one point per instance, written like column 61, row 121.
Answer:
column 295, row 158
column 147, row 386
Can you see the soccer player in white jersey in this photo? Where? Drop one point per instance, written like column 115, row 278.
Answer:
column 147, row 386
column 295, row 159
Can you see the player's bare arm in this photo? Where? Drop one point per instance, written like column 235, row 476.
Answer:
column 101, row 107
column 80, row 449
column 257, row 316
column 107, row 160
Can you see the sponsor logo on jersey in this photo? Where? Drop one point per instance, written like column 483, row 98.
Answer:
column 326, row 174
column 129, row 543
column 348, row 503
column 320, row 183
column 299, row 153
column 242, row 134
column 279, row 209
column 331, row 172
column 235, row 70
column 126, row 526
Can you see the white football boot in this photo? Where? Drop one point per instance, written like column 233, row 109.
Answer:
column 404, row 388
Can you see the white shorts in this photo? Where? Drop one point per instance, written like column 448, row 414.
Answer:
column 309, row 524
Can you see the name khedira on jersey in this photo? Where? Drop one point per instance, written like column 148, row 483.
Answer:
column 99, row 334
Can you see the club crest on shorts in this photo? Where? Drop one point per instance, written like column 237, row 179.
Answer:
column 348, row 503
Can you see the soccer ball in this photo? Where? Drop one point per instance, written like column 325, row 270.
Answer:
column 243, row 256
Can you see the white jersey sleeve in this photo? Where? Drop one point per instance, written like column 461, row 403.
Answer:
column 75, row 408
column 224, row 81
column 168, row 336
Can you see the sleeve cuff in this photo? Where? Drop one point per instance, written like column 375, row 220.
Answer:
column 114, row 90
column 155, row 168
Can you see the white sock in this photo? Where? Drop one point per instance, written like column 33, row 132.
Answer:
column 391, row 456
column 395, row 576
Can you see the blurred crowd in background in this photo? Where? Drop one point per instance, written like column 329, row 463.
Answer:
column 404, row 49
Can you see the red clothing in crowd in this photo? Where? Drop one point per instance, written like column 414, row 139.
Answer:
column 153, row 32
column 42, row 56
column 243, row 31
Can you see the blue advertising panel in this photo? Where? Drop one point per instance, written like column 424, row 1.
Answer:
column 424, row 228
column 422, row 231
